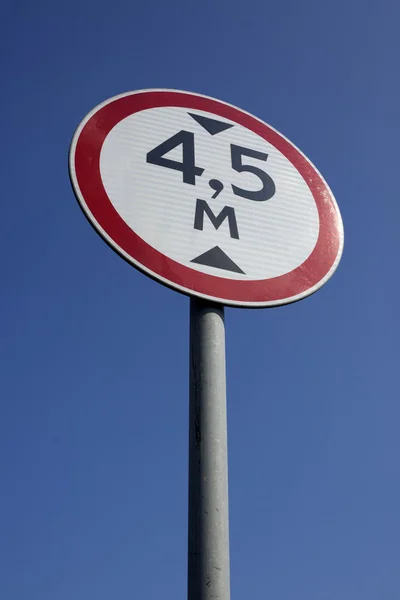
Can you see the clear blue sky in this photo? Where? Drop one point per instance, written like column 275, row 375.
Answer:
column 94, row 356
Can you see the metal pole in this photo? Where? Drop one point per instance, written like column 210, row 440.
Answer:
column 208, row 540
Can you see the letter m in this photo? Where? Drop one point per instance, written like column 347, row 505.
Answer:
column 228, row 212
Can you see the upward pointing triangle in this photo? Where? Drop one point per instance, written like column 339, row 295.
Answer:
column 211, row 125
column 218, row 259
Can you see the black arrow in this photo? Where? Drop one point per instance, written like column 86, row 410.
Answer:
column 218, row 259
column 211, row 125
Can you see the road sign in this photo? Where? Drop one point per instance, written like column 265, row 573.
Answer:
column 206, row 198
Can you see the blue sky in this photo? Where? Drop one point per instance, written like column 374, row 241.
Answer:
column 94, row 356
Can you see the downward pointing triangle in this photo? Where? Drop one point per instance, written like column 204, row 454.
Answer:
column 218, row 259
column 211, row 125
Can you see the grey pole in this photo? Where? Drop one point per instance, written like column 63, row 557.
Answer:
column 208, row 539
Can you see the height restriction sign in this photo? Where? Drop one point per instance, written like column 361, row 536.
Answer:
column 206, row 198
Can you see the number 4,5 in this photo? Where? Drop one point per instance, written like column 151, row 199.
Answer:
column 190, row 171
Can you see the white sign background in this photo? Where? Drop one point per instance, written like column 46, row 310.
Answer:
column 275, row 236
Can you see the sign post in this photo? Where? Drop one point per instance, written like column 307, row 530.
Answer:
column 212, row 202
column 208, row 531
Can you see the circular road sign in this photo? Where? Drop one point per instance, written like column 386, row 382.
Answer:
column 206, row 198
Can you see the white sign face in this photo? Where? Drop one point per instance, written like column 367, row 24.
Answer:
column 206, row 198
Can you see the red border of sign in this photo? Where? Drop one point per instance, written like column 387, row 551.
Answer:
column 85, row 173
